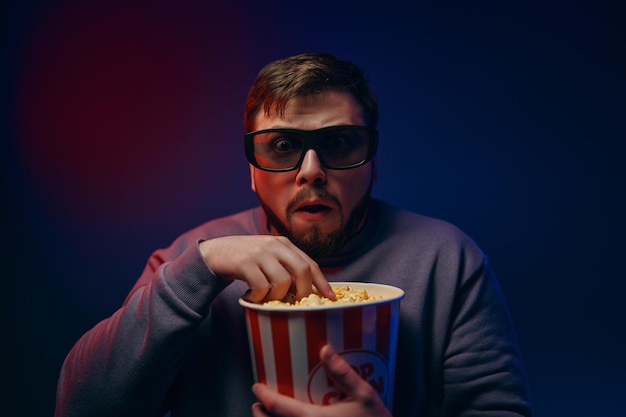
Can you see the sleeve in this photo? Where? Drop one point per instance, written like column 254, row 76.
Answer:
column 127, row 363
column 482, row 370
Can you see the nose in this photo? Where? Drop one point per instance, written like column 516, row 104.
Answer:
column 311, row 170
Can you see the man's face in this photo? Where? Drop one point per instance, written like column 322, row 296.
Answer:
column 317, row 208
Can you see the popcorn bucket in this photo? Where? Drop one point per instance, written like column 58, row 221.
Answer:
column 285, row 341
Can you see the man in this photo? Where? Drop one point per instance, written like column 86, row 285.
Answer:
column 179, row 341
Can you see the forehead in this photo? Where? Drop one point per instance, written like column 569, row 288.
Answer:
column 310, row 112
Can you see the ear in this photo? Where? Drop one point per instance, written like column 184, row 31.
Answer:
column 252, row 184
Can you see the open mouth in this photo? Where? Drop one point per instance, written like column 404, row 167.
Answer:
column 314, row 209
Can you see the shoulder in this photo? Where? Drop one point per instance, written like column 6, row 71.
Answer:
column 247, row 222
column 424, row 233
column 244, row 222
column 405, row 222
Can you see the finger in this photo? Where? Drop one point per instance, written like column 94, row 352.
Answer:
column 267, row 282
column 279, row 278
column 307, row 274
column 259, row 286
column 344, row 376
column 258, row 410
column 267, row 278
column 276, row 404
column 256, row 296
column 324, row 288
column 318, row 280
column 301, row 267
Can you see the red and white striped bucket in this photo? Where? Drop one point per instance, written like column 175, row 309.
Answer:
column 285, row 342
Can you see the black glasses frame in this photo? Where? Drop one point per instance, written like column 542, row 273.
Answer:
column 310, row 142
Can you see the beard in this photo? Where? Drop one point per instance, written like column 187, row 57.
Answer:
column 314, row 242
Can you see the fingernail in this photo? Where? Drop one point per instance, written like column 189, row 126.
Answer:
column 327, row 352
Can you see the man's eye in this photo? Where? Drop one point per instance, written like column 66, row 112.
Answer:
column 285, row 145
column 338, row 142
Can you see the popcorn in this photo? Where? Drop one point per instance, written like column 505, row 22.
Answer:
column 345, row 295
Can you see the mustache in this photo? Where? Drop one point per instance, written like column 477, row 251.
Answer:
column 308, row 193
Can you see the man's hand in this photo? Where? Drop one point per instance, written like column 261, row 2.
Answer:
column 270, row 265
column 361, row 400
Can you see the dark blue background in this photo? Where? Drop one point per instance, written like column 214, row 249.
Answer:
column 121, row 128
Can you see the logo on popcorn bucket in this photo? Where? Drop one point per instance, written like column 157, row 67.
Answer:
column 370, row 366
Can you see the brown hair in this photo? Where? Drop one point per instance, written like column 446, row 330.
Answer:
column 308, row 74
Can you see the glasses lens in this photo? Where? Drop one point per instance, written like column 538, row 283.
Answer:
column 344, row 148
column 277, row 150
column 338, row 147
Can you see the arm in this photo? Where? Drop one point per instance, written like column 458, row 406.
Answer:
column 127, row 364
column 483, row 373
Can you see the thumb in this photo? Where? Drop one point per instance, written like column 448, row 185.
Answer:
column 348, row 380
column 343, row 374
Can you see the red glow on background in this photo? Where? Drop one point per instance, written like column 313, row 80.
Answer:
column 112, row 103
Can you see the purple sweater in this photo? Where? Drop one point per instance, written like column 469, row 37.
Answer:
column 179, row 341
